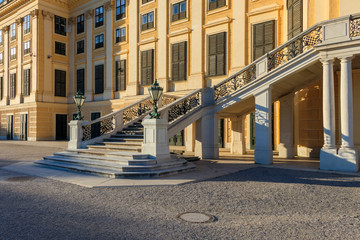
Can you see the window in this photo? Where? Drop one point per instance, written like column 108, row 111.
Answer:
column 80, row 46
column 147, row 21
column 80, row 24
column 99, row 41
column 99, row 79
column 1, row 88
column 121, row 34
column 60, row 48
column 178, row 11
column 13, row 31
column 147, row 67
column 217, row 54
column 26, row 82
column 120, row 75
column 120, row 9
column 12, row 85
column 13, row 53
column 26, row 47
column 263, row 38
column 1, row 58
column 295, row 17
column 99, row 16
column 213, row 4
column 178, row 61
column 26, row 24
column 1, row 37
column 60, row 25
column 80, row 80
column 60, row 83
column 146, row 1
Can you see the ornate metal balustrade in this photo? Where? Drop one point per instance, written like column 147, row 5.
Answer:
column 184, row 106
column 108, row 123
column 235, row 82
column 302, row 43
column 355, row 27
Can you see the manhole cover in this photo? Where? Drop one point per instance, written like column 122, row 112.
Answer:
column 196, row 217
column 20, row 179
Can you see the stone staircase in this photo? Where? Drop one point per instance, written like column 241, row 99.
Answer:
column 118, row 156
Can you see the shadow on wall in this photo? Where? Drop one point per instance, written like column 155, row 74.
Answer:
column 274, row 175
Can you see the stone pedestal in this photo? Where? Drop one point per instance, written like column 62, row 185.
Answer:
column 156, row 141
column 76, row 135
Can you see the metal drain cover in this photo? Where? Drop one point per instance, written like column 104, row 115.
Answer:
column 20, row 179
column 196, row 217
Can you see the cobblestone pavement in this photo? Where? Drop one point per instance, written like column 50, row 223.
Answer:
column 257, row 203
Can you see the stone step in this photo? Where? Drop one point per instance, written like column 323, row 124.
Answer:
column 130, row 144
column 124, row 160
column 115, row 139
column 137, row 136
column 104, row 152
column 114, row 173
column 132, row 132
column 116, row 148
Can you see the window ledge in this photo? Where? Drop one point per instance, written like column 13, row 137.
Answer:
column 268, row 8
column 117, row 44
column 179, row 32
column 148, row 40
column 217, row 10
column 148, row 30
column 218, row 22
column 179, row 21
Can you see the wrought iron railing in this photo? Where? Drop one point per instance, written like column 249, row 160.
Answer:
column 110, row 122
column 355, row 27
column 284, row 53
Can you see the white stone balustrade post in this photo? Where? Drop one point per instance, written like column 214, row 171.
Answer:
column 76, row 134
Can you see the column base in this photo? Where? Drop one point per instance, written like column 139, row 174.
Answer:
column 285, row 151
column 345, row 160
column 264, row 157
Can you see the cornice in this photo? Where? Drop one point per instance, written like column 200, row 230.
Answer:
column 8, row 8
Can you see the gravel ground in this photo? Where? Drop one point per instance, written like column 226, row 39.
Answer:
column 258, row 203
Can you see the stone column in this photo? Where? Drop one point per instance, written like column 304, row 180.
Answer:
column 72, row 85
column 19, row 58
column 206, row 141
column 6, row 58
column 133, row 86
column 237, row 135
column 286, row 146
column 108, row 93
column 328, row 104
column 196, row 79
column 347, row 152
column 162, row 57
column 263, row 145
column 89, row 49
column 189, row 137
column 34, row 49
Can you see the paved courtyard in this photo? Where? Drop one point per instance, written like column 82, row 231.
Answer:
column 253, row 203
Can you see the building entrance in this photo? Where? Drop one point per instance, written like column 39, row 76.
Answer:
column 61, row 127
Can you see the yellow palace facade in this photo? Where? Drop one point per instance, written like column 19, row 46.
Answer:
column 113, row 50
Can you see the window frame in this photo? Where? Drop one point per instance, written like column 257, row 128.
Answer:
column 13, row 56
column 180, row 17
column 99, row 81
column 217, row 55
column 27, row 50
column 99, row 44
column 80, row 24
column 12, row 88
column 99, row 17
column 178, row 61
column 1, row 58
column 142, row 28
column 13, row 32
column 27, row 26
column 27, row 82
column 119, row 6
column 60, row 25
column 120, row 79
column 83, row 46
column 1, row 38
column 60, row 48
column 216, row 2
column 80, row 83
column 120, row 38
column 60, row 92
column 143, row 80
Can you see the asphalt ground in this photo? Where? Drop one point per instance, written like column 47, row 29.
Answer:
column 257, row 203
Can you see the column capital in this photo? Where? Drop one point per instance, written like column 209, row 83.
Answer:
column 109, row 5
column 327, row 60
column 346, row 58
column 89, row 13
column 19, row 21
column 34, row 13
column 71, row 20
column 47, row 14
column 5, row 29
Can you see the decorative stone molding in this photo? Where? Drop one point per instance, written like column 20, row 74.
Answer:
column 5, row 29
column 89, row 14
column 19, row 21
column 71, row 21
column 47, row 14
column 109, row 5
column 34, row 13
